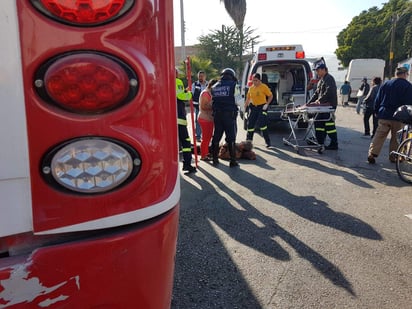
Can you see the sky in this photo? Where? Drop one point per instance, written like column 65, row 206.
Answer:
column 314, row 24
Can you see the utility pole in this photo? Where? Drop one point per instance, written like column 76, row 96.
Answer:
column 182, row 32
column 391, row 53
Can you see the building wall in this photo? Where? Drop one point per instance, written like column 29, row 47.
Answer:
column 189, row 51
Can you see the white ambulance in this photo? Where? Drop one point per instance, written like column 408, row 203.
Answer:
column 287, row 72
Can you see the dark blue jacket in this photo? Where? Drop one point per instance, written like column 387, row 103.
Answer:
column 223, row 94
column 391, row 95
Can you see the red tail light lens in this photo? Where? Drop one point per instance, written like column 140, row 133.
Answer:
column 300, row 55
column 83, row 12
column 86, row 83
column 262, row 56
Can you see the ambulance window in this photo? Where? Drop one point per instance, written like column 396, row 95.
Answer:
column 273, row 77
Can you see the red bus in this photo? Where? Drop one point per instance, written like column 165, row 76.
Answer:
column 89, row 181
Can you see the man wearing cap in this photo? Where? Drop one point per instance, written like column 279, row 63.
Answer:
column 391, row 95
column 325, row 94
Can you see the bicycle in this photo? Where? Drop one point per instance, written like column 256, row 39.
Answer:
column 404, row 152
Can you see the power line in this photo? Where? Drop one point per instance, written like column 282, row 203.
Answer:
column 320, row 30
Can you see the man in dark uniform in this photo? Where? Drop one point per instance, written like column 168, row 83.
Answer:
column 325, row 94
column 224, row 114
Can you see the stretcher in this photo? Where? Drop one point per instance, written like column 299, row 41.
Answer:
column 296, row 115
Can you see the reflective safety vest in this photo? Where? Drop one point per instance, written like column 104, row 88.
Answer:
column 182, row 96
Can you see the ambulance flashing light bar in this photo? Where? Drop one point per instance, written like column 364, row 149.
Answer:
column 286, row 52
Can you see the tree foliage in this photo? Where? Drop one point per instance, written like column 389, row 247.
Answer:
column 369, row 34
column 198, row 64
column 223, row 46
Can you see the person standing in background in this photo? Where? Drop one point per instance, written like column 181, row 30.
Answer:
column 391, row 95
column 362, row 92
column 206, row 120
column 345, row 91
column 197, row 87
column 369, row 102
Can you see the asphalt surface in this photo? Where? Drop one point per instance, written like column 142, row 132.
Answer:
column 296, row 230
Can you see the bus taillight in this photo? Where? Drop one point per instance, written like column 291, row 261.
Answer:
column 86, row 82
column 90, row 165
column 83, row 13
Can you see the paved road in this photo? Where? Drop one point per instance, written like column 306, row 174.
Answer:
column 296, row 230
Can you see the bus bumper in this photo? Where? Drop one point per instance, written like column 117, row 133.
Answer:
column 130, row 267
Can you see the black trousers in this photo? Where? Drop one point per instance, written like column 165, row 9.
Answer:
column 184, row 141
column 325, row 126
column 257, row 118
column 225, row 122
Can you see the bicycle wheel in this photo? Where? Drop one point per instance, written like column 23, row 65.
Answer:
column 404, row 160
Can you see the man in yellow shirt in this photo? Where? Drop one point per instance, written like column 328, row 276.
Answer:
column 257, row 100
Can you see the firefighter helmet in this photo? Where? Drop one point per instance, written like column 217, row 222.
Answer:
column 404, row 114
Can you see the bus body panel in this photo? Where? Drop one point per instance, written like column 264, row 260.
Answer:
column 61, row 249
column 14, row 170
column 126, row 268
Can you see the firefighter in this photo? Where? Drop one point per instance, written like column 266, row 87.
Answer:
column 258, row 98
column 224, row 114
column 325, row 94
column 183, row 95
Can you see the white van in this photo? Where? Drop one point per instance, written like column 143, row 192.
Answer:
column 359, row 69
column 285, row 70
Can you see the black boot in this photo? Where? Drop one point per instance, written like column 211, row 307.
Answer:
column 215, row 154
column 232, row 152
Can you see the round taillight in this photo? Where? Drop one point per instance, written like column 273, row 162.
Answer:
column 91, row 165
column 86, row 83
column 84, row 12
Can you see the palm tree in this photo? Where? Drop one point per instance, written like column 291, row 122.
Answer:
column 237, row 11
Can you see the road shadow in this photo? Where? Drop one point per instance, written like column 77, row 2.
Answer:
column 308, row 207
column 352, row 154
column 205, row 274
column 202, row 259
